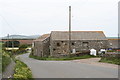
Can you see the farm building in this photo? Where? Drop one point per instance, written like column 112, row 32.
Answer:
column 57, row 42
column 41, row 46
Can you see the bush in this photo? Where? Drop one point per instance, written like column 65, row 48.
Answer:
column 22, row 72
column 23, row 46
column 22, row 49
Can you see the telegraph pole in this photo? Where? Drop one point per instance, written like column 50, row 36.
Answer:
column 7, row 41
column 118, row 40
column 12, row 45
column 69, row 31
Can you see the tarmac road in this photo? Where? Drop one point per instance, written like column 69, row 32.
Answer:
column 67, row 69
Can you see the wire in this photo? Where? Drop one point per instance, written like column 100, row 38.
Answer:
column 8, row 24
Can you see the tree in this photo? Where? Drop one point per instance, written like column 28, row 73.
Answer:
column 23, row 46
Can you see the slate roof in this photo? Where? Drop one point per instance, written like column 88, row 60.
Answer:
column 78, row 35
column 43, row 37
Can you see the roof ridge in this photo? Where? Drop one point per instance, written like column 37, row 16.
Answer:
column 77, row 31
column 42, row 37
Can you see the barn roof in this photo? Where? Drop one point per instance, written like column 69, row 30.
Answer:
column 78, row 35
column 43, row 37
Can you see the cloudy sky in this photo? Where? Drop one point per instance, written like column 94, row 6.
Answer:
column 37, row 17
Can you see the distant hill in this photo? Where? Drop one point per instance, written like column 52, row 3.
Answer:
column 21, row 37
column 112, row 37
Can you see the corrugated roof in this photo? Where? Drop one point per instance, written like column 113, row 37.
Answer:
column 78, row 35
column 43, row 37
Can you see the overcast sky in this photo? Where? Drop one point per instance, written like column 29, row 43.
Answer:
column 37, row 17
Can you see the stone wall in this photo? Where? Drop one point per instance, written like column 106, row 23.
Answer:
column 61, row 47
column 57, row 48
column 38, row 48
column 114, row 43
column 46, row 48
column 41, row 48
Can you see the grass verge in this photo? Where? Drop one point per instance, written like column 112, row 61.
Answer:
column 111, row 60
column 61, row 59
column 22, row 72
column 0, row 65
column 6, row 59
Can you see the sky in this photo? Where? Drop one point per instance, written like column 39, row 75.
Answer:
column 37, row 17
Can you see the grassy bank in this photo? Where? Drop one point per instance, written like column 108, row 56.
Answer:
column 61, row 59
column 5, row 60
column 22, row 72
column 111, row 60
column 0, row 57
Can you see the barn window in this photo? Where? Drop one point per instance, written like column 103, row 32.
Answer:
column 62, row 41
column 58, row 44
column 54, row 49
column 73, row 43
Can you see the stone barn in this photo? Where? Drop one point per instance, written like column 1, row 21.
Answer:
column 57, row 42
column 41, row 46
column 80, row 41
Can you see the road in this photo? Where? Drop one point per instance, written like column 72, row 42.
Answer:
column 67, row 69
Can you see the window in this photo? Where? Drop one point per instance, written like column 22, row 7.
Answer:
column 54, row 49
column 73, row 43
column 62, row 41
column 58, row 44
